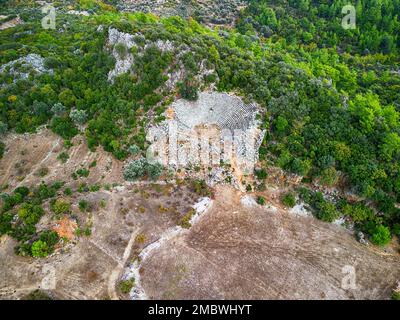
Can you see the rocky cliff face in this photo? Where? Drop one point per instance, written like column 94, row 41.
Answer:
column 122, row 43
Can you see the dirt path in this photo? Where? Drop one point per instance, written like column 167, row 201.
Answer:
column 116, row 273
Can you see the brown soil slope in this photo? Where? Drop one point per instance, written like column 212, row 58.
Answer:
column 251, row 253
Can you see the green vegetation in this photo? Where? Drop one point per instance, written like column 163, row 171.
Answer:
column 20, row 212
column 185, row 220
column 261, row 200
column 289, row 199
column 2, row 149
column 126, row 285
column 37, row 295
column 63, row 157
column 139, row 168
column 84, row 205
column 61, row 207
column 201, row 188
column 380, row 235
column 40, row 249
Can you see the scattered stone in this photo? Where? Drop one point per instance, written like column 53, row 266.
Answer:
column 300, row 211
column 361, row 238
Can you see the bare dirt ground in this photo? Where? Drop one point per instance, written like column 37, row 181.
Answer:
column 10, row 24
column 253, row 253
column 84, row 267
column 233, row 251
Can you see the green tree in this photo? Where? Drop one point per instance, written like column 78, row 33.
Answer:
column 381, row 235
column 79, row 117
column 391, row 146
column 58, row 109
column 188, row 89
column 135, row 169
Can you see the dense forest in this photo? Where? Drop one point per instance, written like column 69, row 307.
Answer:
column 320, row 22
column 331, row 96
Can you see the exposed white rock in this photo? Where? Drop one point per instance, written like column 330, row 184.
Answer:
column 340, row 221
column 300, row 211
column 122, row 64
column 248, row 201
column 119, row 188
column 125, row 63
column 115, row 36
column 132, row 271
column 79, row 13
column 33, row 61
column 201, row 207
column 164, row 46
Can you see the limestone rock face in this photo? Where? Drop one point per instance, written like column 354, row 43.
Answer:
column 22, row 67
column 124, row 63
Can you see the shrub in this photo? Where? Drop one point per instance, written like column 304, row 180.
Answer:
column 126, row 285
column 2, row 149
column 201, row 188
column 30, row 214
column 40, row 249
column 37, row 295
column 261, row 200
column 61, row 207
column 68, row 191
column 23, row 191
column 140, row 238
column 326, row 211
column 93, row 164
column 87, row 232
column 121, row 49
column 135, row 169
column 185, row 220
column 261, row 174
column 381, row 235
column 82, row 173
column 358, row 212
column 134, row 149
column 94, row 188
column 64, row 127
column 188, row 89
column 42, row 171
column 289, row 200
column 329, row 177
column 84, row 205
column 155, row 170
column 58, row 109
column 79, row 117
column 63, row 157
column 3, row 128
column 5, row 223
